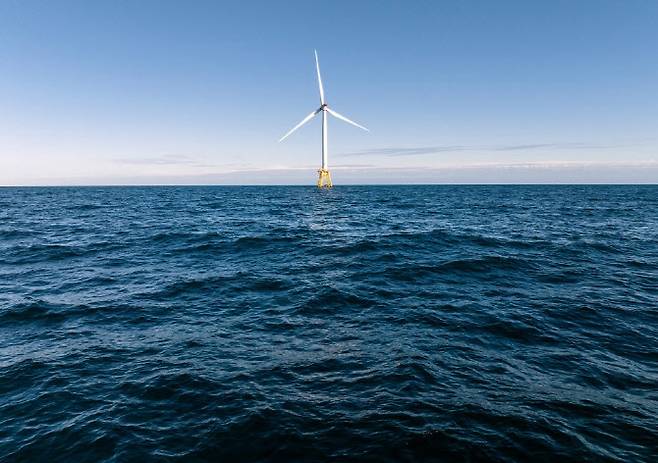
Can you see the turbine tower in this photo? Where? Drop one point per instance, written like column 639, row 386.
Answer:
column 324, row 178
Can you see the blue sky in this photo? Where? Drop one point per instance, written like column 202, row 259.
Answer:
column 200, row 92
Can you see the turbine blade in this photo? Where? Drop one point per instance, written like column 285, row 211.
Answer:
column 304, row 121
column 317, row 67
column 339, row 116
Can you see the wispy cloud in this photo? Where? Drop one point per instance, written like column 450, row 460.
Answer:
column 353, row 166
column 165, row 160
column 420, row 150
column 397, row 151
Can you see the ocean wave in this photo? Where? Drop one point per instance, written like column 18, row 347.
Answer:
column 50, row 252
column 485, row 265
column 326, row 298
column 13, row 233
column 208, row 284
column 44, row 312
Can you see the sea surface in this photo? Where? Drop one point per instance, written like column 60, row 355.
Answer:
column 363, row 323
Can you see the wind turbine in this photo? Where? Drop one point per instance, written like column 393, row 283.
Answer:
column 324, row 179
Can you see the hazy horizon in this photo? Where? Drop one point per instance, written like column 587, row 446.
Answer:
column 507, row 175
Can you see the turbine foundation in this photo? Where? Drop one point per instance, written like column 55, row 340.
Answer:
column 324, row 179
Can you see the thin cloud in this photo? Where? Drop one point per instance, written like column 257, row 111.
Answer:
column 409, row 151
column 420, row 150
column 165, row 160
column 353, row 166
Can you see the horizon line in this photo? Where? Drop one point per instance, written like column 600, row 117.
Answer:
column 141, row 185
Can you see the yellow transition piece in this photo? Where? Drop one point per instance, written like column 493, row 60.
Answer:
column 324, row 180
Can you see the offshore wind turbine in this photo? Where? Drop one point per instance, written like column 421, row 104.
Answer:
column 324, row 178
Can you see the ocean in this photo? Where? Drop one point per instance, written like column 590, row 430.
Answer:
column 362, row 323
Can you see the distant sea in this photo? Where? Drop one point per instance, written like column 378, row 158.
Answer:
column 364, row 323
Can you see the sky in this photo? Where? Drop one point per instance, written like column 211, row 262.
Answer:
column 198, row 92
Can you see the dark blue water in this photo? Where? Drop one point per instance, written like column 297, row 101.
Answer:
column 404, row 323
